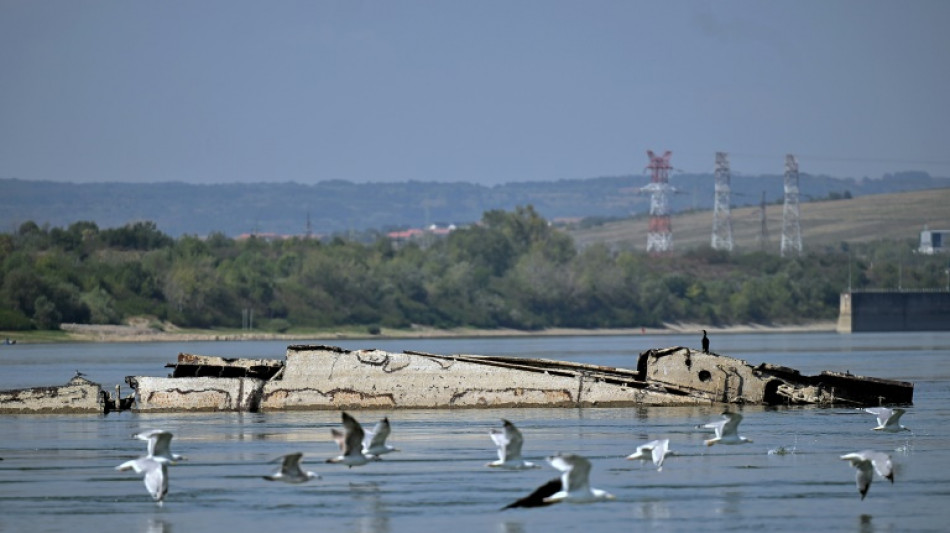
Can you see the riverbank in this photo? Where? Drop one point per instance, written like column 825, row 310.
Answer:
column 167, row 333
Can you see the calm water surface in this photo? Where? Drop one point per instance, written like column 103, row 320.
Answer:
column 58, row 471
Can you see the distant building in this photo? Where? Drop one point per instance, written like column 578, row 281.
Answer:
column 420, row 235
column 934, row 241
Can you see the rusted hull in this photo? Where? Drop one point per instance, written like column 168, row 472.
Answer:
column 327, row 377
column 78, row 396
column 196, row 394
column 729, row 380
column 323, row 377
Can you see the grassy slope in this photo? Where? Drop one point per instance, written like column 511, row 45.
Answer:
column 886, row 216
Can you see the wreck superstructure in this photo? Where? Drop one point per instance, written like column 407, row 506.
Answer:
column 315, row 377
column 328, row 377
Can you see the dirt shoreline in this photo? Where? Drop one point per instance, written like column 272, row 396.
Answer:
column 136, row 333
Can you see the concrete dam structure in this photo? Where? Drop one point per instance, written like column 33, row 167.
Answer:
column 866, row 311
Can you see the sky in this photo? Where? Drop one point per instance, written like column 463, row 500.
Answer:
column 486, row 92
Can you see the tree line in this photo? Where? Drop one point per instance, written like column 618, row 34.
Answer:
column 511, row 270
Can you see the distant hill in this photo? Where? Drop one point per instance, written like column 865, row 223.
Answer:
column 339, row 206
column 895, row 216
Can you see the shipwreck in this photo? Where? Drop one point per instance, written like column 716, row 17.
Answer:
column 316, row 377
column 326, row 377
column 78, row 396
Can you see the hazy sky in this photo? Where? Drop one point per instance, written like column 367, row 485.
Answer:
column 480, row 91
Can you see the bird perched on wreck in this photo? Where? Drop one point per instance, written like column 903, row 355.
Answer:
column 726, row 430
column 509, row 442
column 290, row 471
column 655, row 450
column 573, row 486
column 350, row 441
column 888, row 420
column 374, row 442
column 867, row 461
column 705, row 342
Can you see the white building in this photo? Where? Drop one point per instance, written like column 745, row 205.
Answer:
column 934, row 241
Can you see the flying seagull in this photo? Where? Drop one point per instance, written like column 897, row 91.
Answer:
column 573, row 486
column 155, row 471
column 159, row 444
column 289, row 471
column 350, row 441
column 726, row 430
column 154, row 465
column 657, row 450
column 863, row 462
column 888, row 420
column 374, row 442
column 509, row 442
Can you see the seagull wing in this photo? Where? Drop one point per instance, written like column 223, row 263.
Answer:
column 575, row 471
column 140, row 465
column 882, row 464
column 515, row 441
column 339, row 437
column 731, row 425
column 538, row 498
column 377, row 438
column 863, row 477
column 659, row 449
column 895, row 417
column 291, row 465
column 862, row 463
column 353, row 436
column 160, row 444
column 640, row 451
column 501, row 441
column 156, row 479
column 882, row 414
column 717, row 427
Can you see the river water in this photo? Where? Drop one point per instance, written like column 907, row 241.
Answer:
column 57, row 472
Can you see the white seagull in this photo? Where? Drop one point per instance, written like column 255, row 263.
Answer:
column 888, row 420
column 509, row 442
column 155, row 470
column 726, row 430
column 658, row 450
column 159, row 444
column 573, row 486
column 863, row 462
column 374, row 442
column 351, row 443
column 289, row 471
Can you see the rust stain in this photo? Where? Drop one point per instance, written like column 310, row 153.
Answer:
column 335, row 397
column 511, row 396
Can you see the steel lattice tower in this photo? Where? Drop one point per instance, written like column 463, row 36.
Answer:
column 791, row 215
column 722, row 217
column 763, row 225
column 660, row 236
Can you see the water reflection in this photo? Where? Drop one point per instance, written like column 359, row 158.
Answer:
column 369, row 507
column 59, row 469
column 511, row 527
column 731, row 504
column 157, row 525
column 653, row 510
